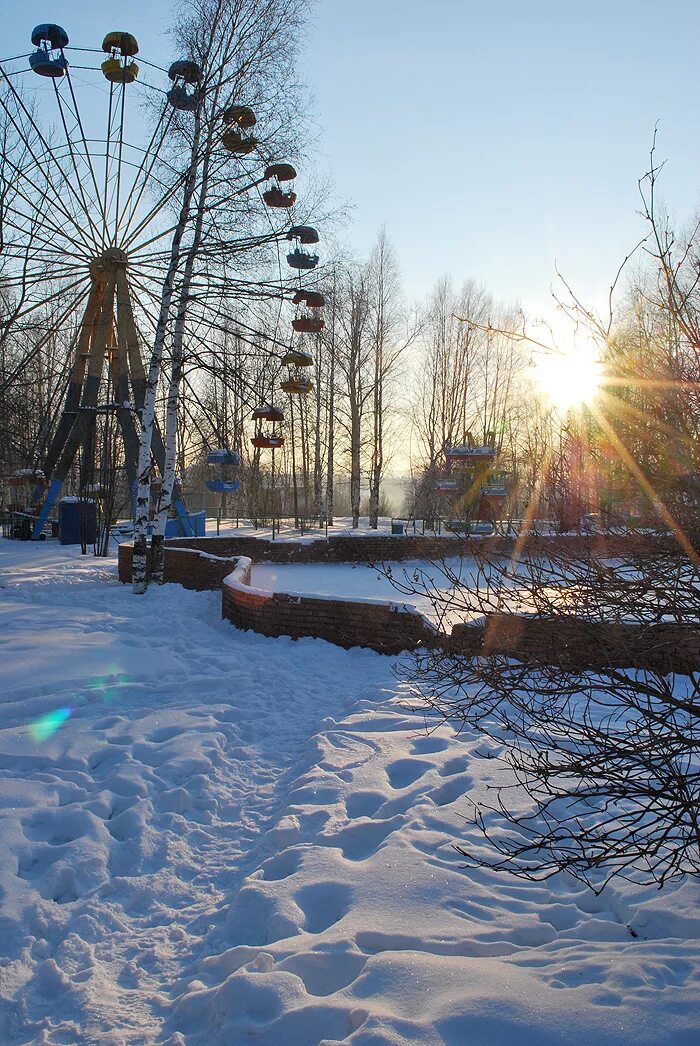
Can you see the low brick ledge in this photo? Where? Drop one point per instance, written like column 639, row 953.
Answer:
column 393, row 627
column 192, row 568
column 387, row 626
column 384, row 548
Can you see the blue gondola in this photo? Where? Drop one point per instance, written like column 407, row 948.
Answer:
column 182, row 99
column 49, row 38
column 48, row 33
column 223, row 457
column 222, row 486
column 188, row 72
column 299, row 259
column 184, row 74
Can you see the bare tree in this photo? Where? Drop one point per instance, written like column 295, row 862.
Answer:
column 599, row 720
column 389, row 344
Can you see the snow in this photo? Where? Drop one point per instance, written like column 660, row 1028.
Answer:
column 211, row 837
column 355, row 582
column 321, row 581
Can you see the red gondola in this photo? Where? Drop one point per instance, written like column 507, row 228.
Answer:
column 308, row 324
column 267, row 441
column 283, row 172
column 312, row 299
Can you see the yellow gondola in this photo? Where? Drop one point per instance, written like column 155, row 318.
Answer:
column 116, row 73
column 125, row 43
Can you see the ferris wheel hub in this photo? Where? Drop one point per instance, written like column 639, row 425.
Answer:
column 111, row 259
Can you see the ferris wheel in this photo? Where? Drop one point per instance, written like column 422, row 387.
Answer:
column 89, row 198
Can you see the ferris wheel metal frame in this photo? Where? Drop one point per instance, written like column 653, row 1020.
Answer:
column 83, row 222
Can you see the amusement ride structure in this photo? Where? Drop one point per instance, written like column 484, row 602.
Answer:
column 474, row 490
column 94, row 257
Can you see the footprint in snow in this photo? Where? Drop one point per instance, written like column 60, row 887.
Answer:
column 427, row 745
column 360, row 841
column 454, row 788
column 326, row 972
column 403, row 772
column 363, row 804
column 323, row 904
column 281, row 866
column 454, row 766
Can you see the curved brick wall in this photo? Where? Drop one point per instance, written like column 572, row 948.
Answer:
column 391, row 627
column 380, row 625
column 186, row 566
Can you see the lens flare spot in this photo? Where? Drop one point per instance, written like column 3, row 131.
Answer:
column 47, row 725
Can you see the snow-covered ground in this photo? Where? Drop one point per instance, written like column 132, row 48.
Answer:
column 358, row 581
column 210, row 837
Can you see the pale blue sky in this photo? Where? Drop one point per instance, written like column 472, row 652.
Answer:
column 493, row 139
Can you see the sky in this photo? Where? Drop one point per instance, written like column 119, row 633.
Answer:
column 495, row 141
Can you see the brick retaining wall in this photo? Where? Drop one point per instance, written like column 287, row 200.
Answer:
column 191, row 568
column 574, row 643
column 381, row 548
column 385, row 627
column 392, row 627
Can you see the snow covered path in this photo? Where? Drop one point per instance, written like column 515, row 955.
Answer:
column 210, row 838
column 128, row 824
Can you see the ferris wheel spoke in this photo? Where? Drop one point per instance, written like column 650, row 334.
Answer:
column 145, row 171
column 49, row 154
column 75, row 302
column 46, row 300
column 23, row 178
column 105, row 194
column 28, row 271
column 87, row 209
column 153, row 214
column 87, row 156
column 38, row 251
column 43, row 240
column 27, row 288
column 119, row 163
column 230, row 320
column 47, row 247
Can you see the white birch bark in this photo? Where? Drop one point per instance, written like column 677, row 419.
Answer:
column 177, row 365
column 139, row 574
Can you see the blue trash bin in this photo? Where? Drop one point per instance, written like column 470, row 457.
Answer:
column 77, row 521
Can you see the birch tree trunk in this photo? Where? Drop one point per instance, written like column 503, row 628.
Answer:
column 169, row 472
column 139, row 576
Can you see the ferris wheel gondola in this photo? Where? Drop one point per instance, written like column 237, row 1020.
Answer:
column 186, row 77
column 225, row 460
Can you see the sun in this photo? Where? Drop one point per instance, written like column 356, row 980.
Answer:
column 569, row 379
